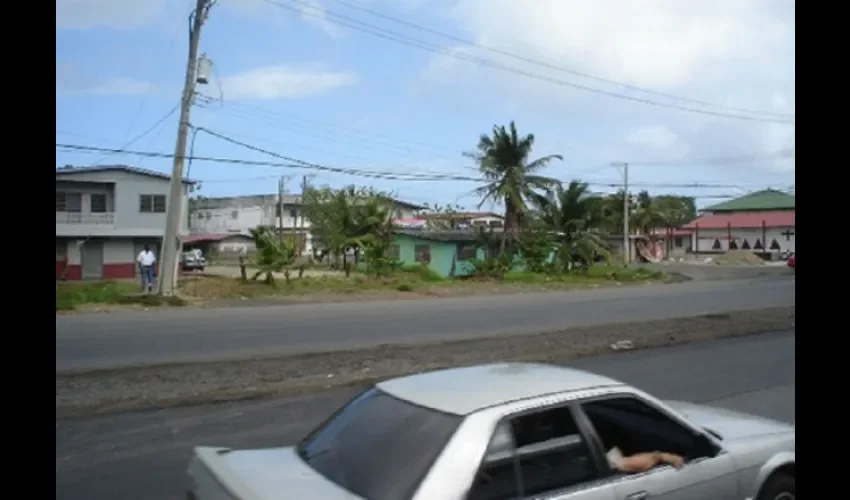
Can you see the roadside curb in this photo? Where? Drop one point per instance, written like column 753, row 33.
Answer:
column 88, row 394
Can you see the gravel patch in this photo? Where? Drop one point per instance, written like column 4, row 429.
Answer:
column 84, row 394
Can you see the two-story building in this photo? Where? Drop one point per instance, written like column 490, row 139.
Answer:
column 104, row 217
column 240, row 214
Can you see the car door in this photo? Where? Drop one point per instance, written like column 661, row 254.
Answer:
column 541, row 455
column 641, row 426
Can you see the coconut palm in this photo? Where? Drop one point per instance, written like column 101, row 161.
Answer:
column 511, row 178
column 572, row 212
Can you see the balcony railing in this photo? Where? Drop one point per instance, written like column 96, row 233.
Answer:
column 83, row 218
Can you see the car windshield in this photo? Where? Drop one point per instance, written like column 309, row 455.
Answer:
column 377, row 446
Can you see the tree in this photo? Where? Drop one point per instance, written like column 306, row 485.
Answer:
column 571, row 212
column 351, row 218
column 273, row 256
column 511, row 178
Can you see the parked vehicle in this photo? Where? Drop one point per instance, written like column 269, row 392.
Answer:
column 509, row 431
column 792, row 261
column 192, row 261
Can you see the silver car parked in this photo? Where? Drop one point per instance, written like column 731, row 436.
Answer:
column 509, row 431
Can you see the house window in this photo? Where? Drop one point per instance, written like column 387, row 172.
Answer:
column 293, row 213
column 394, row 252
column 69, row 202
column 677, row 242
column 422, row 254
column 234, row 214
column 98, row 203
column 152, row 203
column 466, row 251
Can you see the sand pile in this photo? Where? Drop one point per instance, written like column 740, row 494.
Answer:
column 739, row 258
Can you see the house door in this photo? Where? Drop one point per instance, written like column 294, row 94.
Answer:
column 91, row 258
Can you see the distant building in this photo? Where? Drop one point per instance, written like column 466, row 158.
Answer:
column 453, row 221
column 763, row 222
column 104, row 217
column 240, row 214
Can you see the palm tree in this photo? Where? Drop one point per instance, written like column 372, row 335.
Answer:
column 572, row 212
column 511, row 178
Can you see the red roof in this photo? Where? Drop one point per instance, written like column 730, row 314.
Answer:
column 744, row 220
column 194, row 238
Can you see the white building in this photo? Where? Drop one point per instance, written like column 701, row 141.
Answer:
column 763, row 222
column 105, row 215
column 240, row 214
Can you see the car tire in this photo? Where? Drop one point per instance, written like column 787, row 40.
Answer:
column 778, row 487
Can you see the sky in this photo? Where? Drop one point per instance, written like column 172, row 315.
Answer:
column 407, row 86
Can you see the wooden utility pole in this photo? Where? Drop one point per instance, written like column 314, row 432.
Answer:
column 626, row 249
column 281, row 187
column 174, row 204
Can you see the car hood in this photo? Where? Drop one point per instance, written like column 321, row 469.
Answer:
column 273, row 473
column 731, row 425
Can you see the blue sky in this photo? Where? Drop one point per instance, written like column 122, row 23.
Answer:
column 289, row 78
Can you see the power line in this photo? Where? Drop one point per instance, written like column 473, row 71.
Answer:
column 301, row 164
column 719, row 160
column 551, row 66
column 423, row 45
column 139, row 136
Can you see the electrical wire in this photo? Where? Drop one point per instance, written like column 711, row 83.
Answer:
column 139, row 136
column 301, row 164
column 423, row 45
column 551, row 66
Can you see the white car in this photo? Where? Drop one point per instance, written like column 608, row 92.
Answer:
column 509, row 431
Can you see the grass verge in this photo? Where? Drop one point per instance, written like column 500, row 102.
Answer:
column 70, row 296
column 412, row 281
column 97, row 392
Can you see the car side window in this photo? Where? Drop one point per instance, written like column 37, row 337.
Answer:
column 534, row 454
column 634, row 426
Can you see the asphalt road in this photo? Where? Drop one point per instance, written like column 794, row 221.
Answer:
column 107, row 340
column 142, row 456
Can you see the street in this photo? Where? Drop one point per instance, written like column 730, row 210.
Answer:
column 87, row 341
column 142, row 456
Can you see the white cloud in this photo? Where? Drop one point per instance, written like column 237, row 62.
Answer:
column 86, row 14
column 285, row 82
column 731, row 52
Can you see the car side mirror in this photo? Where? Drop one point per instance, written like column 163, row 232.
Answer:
column 705, row 447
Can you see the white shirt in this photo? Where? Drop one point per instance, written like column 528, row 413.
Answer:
column 614, row 456
column 146, row 258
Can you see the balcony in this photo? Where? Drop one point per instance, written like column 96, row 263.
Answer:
column 88, row 219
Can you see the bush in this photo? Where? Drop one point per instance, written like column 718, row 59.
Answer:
column 424, row 272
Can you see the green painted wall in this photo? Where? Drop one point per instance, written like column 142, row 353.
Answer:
column 442, row 254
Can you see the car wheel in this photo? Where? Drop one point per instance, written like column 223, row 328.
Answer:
column 778, row 487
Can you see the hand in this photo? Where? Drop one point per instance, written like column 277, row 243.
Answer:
column 674, row 460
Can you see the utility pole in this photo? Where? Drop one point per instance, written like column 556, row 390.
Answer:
column 281, row 188
column 168, row 264
column 626, row 249
column 301, row 223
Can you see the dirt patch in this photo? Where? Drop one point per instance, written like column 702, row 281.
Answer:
column 738, row 258
column 131, row 389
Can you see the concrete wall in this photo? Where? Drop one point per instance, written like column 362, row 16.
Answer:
column 442, row 255
column 124, row 190
column 704, row 239
column 119, row 256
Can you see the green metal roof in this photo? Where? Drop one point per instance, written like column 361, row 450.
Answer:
column 769, row 199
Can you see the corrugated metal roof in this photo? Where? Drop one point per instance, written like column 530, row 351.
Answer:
column 197, row 238
column 744, row 220
column 768, row 199
column 71, row 170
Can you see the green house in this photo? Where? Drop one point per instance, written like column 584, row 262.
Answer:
column 448, row 253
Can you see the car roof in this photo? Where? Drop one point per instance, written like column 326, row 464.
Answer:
column 462, row 391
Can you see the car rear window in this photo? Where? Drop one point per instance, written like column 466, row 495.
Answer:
column 377, row 446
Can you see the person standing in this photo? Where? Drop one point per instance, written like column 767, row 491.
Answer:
column 146, row 260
